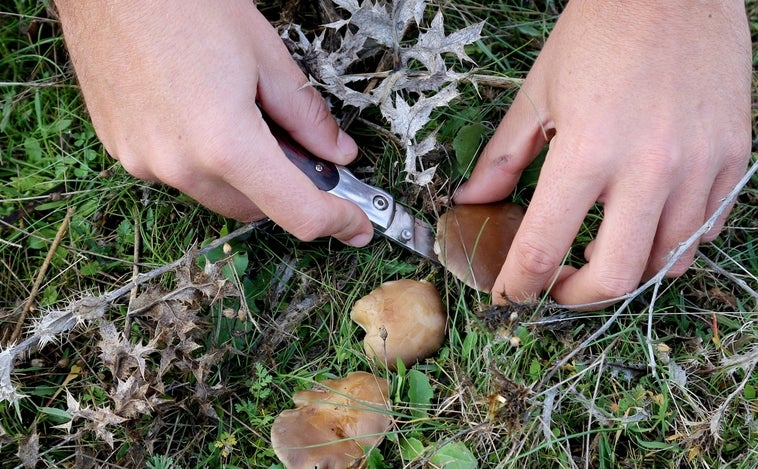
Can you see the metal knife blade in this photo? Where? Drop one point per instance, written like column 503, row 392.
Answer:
column 412, row 233
column 390, row 218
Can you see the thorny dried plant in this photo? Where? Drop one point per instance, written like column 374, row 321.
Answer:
column 137, row 369
column 405, row 92
column 419, row 79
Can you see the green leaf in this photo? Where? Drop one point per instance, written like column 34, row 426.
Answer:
column 237, row 267
column 749, row 392
column 56, row 204
column 654, row 444
column 535, row 369
column 528, row 30
column 32, row 148
column 89, row 269
column 455, row 456
column 374, row 460
column 419, row 389
column 466, row 144
column 56, row 415
column 411, row 448
column 469, row 344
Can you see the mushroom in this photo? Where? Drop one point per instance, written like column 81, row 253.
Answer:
column 403, row 319
column 330, row 426
column 473, row 240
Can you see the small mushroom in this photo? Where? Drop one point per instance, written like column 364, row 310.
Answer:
column 330, row 426
column 403, row 319
column 473, row 240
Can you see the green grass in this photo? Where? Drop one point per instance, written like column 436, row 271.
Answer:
column 213, row 406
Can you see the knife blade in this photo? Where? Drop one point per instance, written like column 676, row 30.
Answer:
column 390, row 218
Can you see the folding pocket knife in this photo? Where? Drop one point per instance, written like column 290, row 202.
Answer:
column 391, row 219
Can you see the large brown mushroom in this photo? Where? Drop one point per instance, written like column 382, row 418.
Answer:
column 330, row 426
column 403, row 319
column 473, row 241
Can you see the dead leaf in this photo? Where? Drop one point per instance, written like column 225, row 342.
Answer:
column 118, row 354
column 433, row 43
column 130, row 397
column 373, row 23
column 98, row 419
column 28, row 450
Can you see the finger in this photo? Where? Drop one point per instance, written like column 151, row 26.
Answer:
column 517, row 140
column 724, row 183
column 566, row 191
column 682, row 216
column 255, row 166
column 619, row 254
column 286, row 96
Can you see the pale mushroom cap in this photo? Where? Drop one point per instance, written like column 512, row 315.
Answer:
column 329, row 427
column 473, row 241
column 403, row 319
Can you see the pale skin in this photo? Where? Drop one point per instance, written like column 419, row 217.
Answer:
column 172, row 87
column 646, row 107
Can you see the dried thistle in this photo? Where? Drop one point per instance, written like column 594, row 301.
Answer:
column 419, row 82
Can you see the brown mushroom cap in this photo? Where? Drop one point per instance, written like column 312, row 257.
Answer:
column 403, row 319
column 473, row 240
column 330, row 426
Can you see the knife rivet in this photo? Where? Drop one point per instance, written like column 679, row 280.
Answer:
column 406, row 235
column 319, row 167
column 380, row 203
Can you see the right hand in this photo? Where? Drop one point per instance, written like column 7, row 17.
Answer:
column 172, row 87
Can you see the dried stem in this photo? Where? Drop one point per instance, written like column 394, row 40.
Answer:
column 41, row 274
column 135, row 272
column 733, row 278
column 88, row 307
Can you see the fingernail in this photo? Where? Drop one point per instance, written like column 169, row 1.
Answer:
column 360, row 240
column 346, row 144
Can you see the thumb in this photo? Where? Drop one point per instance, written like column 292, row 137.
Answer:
column 517, row 140
column 285, row 194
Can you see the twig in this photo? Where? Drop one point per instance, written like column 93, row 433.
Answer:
column 494, row 81
column 66, row 320
column 41, row 274
column 147, row 276
column 675, row 255
column 719, row 414
column 135, row 273
column 733, row 278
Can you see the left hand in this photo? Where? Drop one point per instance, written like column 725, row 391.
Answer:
column 648, row 106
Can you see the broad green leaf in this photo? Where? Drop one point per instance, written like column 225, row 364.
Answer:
column 411, row 448
column 374, row 460
column 455, row 456
column 466, row 145
column 32, row 148
column 419, row 389
column 56, row 415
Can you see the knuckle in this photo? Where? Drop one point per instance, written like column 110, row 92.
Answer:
column 308, row 228
column 737, row 150
column 681, row 266
column 662, row 161
column 614, row 284
column 316, row 108
column 535, row 259
column 170, row 169
column 134, row 165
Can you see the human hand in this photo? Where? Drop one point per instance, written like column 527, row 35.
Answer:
column 172, row 87
column 648, row 107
